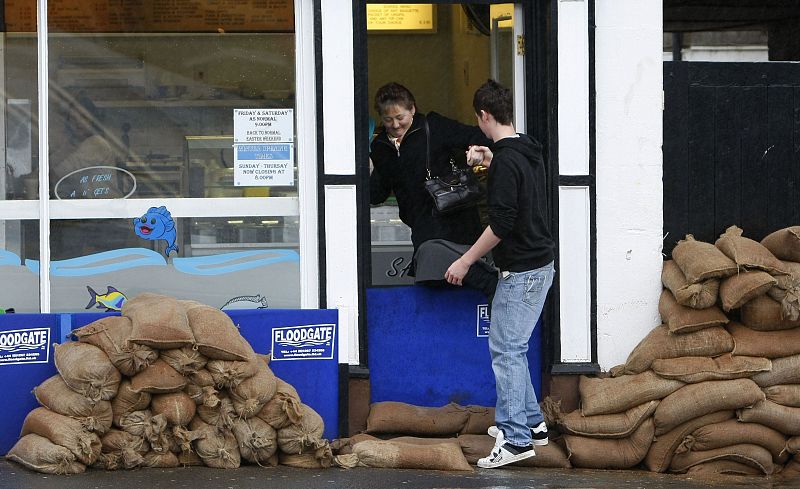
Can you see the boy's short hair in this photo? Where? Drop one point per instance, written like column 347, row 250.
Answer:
column 393, row 94
column 495, row 99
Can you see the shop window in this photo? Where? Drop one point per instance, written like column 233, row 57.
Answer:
column 19, row 255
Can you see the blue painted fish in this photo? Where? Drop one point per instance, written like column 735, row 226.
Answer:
column 112, row 300
column 157, row 224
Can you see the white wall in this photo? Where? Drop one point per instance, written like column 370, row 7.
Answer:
column 629, row 101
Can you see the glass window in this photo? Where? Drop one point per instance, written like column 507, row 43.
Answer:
column 19, row 265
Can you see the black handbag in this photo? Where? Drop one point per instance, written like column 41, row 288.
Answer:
column 452, row 192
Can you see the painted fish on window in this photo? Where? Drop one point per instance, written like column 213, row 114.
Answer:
column 157, row 224
column 112, row 300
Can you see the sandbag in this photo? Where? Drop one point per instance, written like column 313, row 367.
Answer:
column 747, row 252
column 112, row 335
column 55, row 395
column 227, row 373
column 792, row 470
column 716, row 468
column 659, row 343
column 393, row 455
column 793, row 445
column 87, row 370
column 782, row 418
column 185, row 361
column 787, row 291
column 732, row 432
column 308, row 460
column 215, row 334
column 695, row 400
column 122, row 450
column 258, row 441
column 201, row 389
column 698, row 369
column 144, row 425
column 64, row 431
column 617, row 394
column 785, row 370
column 753, row 455
column 620, row 425
column 163, row 460
column 784, row 243
column 609, row 453
column 190, row 458
column 250, row 396
column 785, row 395
column 700, row 295
column 398, row 417
column 766, row 314
column 220, row 416
column 217, row 447
column 660, row 454
column 701, row 261
column 177, row 407
column 128, row 401
column 284, row 407
column 476, row 447
column 682, row 319
column 158, row 321
column 303, row 436
column 479, row 420
column 768, row 344
column 40, row 454
column 158, row 378
column 744, row 286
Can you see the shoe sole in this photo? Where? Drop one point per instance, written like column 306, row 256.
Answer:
column 538, row 443
column 510, row 460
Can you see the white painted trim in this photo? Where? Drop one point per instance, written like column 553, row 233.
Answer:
column 573, row 88
column 338, row 88
column 574, row 232
column 178, row 207
column 19, row 209
column 519, row 69
column 306, row 109
column 43, row 79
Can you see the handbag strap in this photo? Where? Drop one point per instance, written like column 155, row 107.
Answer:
column 427, row 146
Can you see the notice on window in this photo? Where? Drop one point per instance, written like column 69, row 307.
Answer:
column 400, row 17
column 263, row 125
column 263, row 165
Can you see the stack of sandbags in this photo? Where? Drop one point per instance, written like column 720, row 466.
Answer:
column 450, row 437
column 168, row 383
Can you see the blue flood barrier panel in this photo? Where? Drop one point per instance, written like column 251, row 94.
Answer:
column 316, row 379
column 424, row 347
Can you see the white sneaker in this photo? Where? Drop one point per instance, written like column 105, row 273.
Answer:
column 538, row 434
column 505, row 453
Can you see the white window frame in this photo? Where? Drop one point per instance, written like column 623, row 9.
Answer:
column 305, row 205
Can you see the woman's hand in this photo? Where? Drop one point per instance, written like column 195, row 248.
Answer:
column 479, row 155
column 455, row 274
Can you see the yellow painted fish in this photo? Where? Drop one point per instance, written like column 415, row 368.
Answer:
column 112, row 300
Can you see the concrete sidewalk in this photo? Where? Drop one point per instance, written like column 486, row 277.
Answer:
column 13, row 476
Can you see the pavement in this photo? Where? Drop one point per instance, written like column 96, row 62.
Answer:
column 13, row 476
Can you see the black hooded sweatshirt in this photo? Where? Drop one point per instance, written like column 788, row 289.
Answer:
column 518, row 205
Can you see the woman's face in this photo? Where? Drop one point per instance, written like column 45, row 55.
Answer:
column 397, row 119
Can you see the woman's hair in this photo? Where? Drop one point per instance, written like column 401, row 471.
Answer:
column 495, row 99
column 393, row 94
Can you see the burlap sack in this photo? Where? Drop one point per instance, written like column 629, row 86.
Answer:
column 659, row 343
column 318, row 459
column 190, row 458
column 784, row 243
column 128, row 401
column 87, row 370
column 112, row 335
column 715, row 468
column 766, row 314
column 732, row 432
column 177, row 407
column 163, row 460
column 681, row 319
column 660, row 454
column 620, row 425
column 303, row 436
column 609, row 453
column 793, row 445
column 787, row 291
column 55, row 395
column 185, row 361
column 201, row 389
column 227, row 373
column 701, row 261
column 40, row 454
column 215, row 334
column 158, row 378
column 217, row 447
column 768, row 344
column 402, row 418
column 617, row 394
column 64, row 431
column 284, row 407
column 785, row 395
column 144, row 425
column 701, row 295
column 782, row 418
column 743, row 287
column 753, row 455
column 393, row 455
column 251, row 395
column 748, row 253
column 479, row 420
column 220, row 416
column 258, row 441
column 158, row 321
column 785, row 370
column 695, row 400
column 699, row 369
column 122, row 450
column 791, row 472
column 476, row 447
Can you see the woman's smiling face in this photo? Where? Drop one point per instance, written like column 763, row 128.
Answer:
column 397, row 119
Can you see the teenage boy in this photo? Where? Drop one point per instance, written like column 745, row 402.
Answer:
column 522, row 246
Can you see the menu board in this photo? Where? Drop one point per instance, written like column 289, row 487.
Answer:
column 154, row 15
column 400, row 17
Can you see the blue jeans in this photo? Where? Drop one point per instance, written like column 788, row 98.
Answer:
column 516, row 308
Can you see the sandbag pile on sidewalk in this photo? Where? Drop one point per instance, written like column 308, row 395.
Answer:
column 168, row 383
column 715, row 389
column 451, row 437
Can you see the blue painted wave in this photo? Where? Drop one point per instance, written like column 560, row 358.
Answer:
column 103, row 262
column 233, row 262
column 8, row 258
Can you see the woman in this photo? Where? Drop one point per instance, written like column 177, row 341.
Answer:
column 398, row 156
